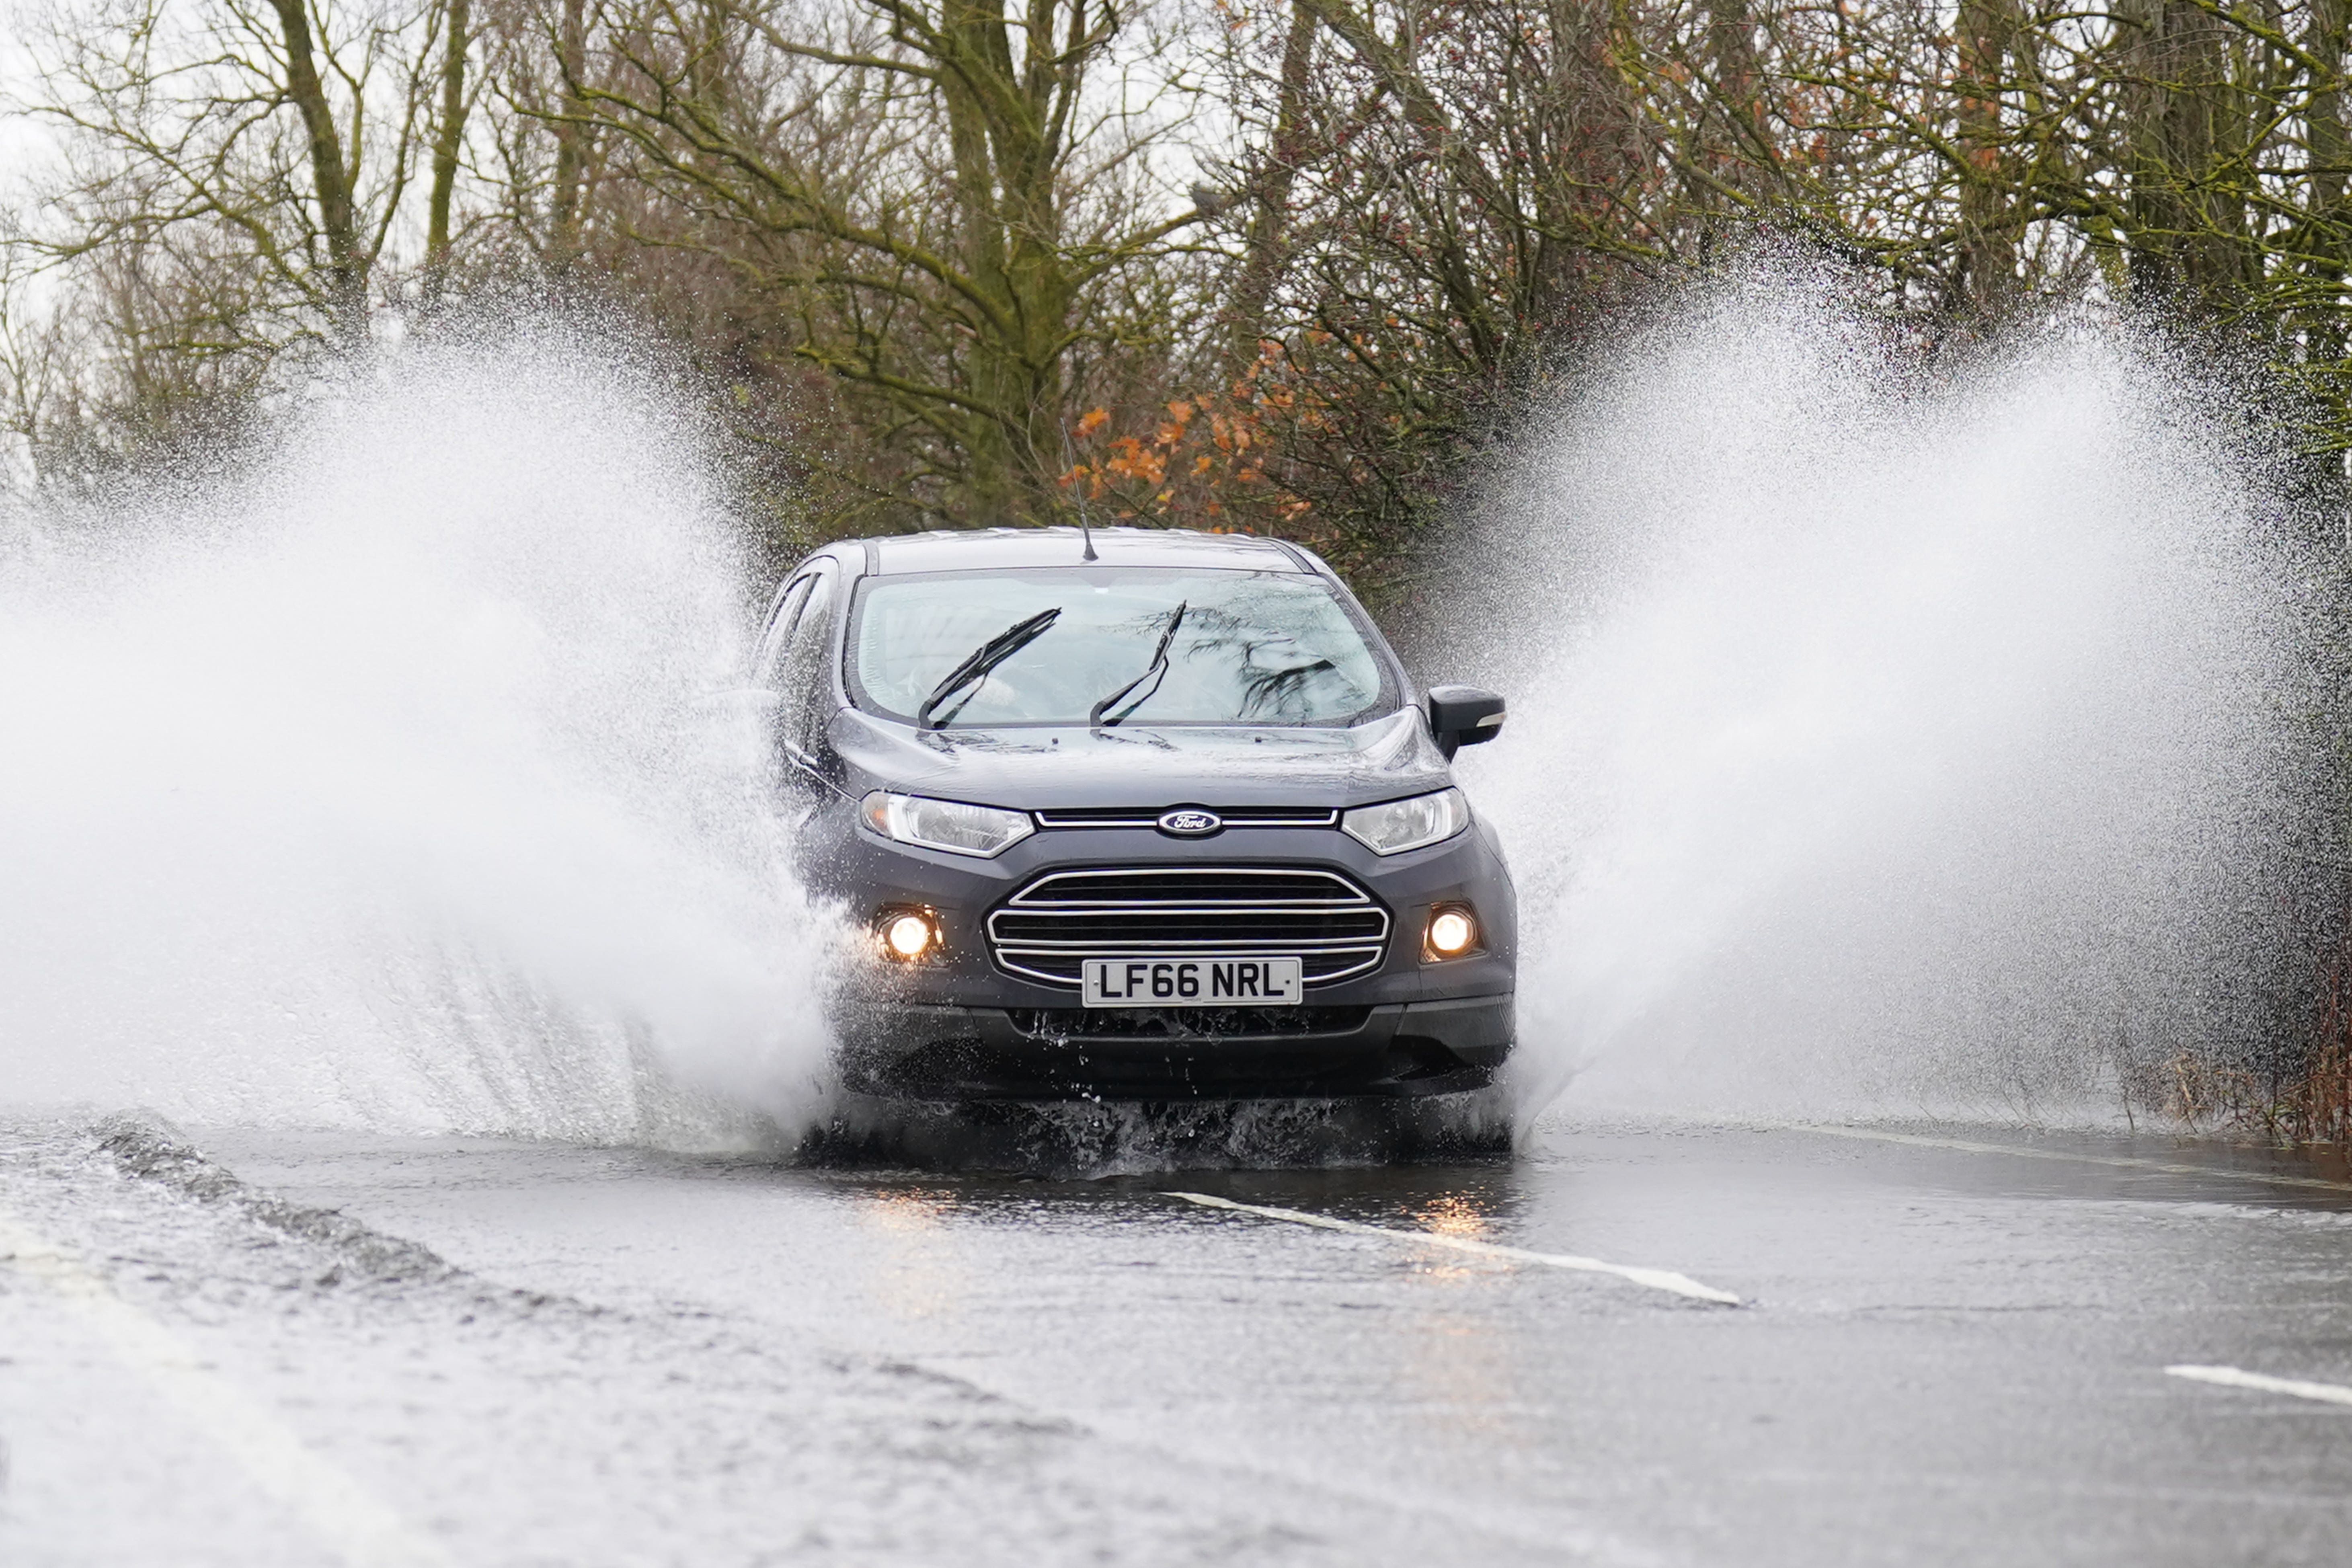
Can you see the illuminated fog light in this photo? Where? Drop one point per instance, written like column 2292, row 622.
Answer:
column 1452, row 932
column 908, row 936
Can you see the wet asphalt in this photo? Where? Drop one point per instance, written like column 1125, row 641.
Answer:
column 1941, row 1355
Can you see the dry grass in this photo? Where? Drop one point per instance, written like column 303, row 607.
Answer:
column 2310, row 1104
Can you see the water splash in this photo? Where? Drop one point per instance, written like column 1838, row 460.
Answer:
column 1878, row 742
column 1884, row 738
column 367, row 785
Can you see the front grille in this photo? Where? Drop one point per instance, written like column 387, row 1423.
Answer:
column 1047, row 928
column 1231, row 815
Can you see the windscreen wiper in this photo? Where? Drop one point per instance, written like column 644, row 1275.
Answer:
column 1152, row 672
column 983, row 658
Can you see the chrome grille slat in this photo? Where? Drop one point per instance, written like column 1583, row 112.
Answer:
column 1238, row 906
column 1236, row 945
column 1231, row 815
column 1044, row 931
column 1249, row 884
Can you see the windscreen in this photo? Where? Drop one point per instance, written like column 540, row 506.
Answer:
column 1111, row 645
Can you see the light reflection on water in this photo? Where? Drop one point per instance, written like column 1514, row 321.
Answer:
column 911, row 1269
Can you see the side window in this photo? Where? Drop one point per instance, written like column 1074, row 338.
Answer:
column 801, row 675
column 766, row 663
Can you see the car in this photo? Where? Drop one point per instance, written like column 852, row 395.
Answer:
column 1134, row 814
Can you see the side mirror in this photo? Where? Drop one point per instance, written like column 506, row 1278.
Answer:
column 1463, row 716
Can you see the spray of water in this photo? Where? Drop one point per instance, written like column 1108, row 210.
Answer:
column 1878, row 742
column 1884, row 736
column 370, row 784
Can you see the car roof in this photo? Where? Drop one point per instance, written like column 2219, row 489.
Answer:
column 960, row 550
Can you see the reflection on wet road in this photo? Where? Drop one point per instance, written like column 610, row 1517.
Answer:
column 1942, row 1353
column 1450, row 1237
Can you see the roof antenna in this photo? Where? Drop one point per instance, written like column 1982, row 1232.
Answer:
column 1071, row 457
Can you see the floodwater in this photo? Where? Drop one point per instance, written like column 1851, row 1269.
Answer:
column 1940, row 1354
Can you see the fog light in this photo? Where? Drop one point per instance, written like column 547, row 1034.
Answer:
column 1453, row 932
column 908, row 935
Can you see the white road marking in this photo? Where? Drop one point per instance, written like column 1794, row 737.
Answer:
column 1655, row 1278
column 2170, row 1167
column 2235, row 1377
column 359, row 1526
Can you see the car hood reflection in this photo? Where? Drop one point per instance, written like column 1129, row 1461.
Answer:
column 1144, row 766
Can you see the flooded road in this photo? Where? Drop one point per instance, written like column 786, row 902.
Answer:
column 1950, row 1346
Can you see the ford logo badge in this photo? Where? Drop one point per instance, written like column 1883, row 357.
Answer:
column 1190, row 822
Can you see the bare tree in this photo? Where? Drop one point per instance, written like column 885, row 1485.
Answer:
column 448, row 137
column 238, row 174
column 937, row 200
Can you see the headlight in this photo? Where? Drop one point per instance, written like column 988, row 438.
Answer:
column 1397, row 826
column 949, row 825
column 908, row 934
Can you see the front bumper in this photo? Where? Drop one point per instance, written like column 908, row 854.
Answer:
column 1399, row 1049
column 958, row 1026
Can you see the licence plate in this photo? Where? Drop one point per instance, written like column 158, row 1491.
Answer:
column 1192, row 981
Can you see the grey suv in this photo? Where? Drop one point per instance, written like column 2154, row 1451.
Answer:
column 1142, row 815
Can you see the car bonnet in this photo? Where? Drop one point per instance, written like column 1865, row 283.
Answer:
column 1042, row 768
